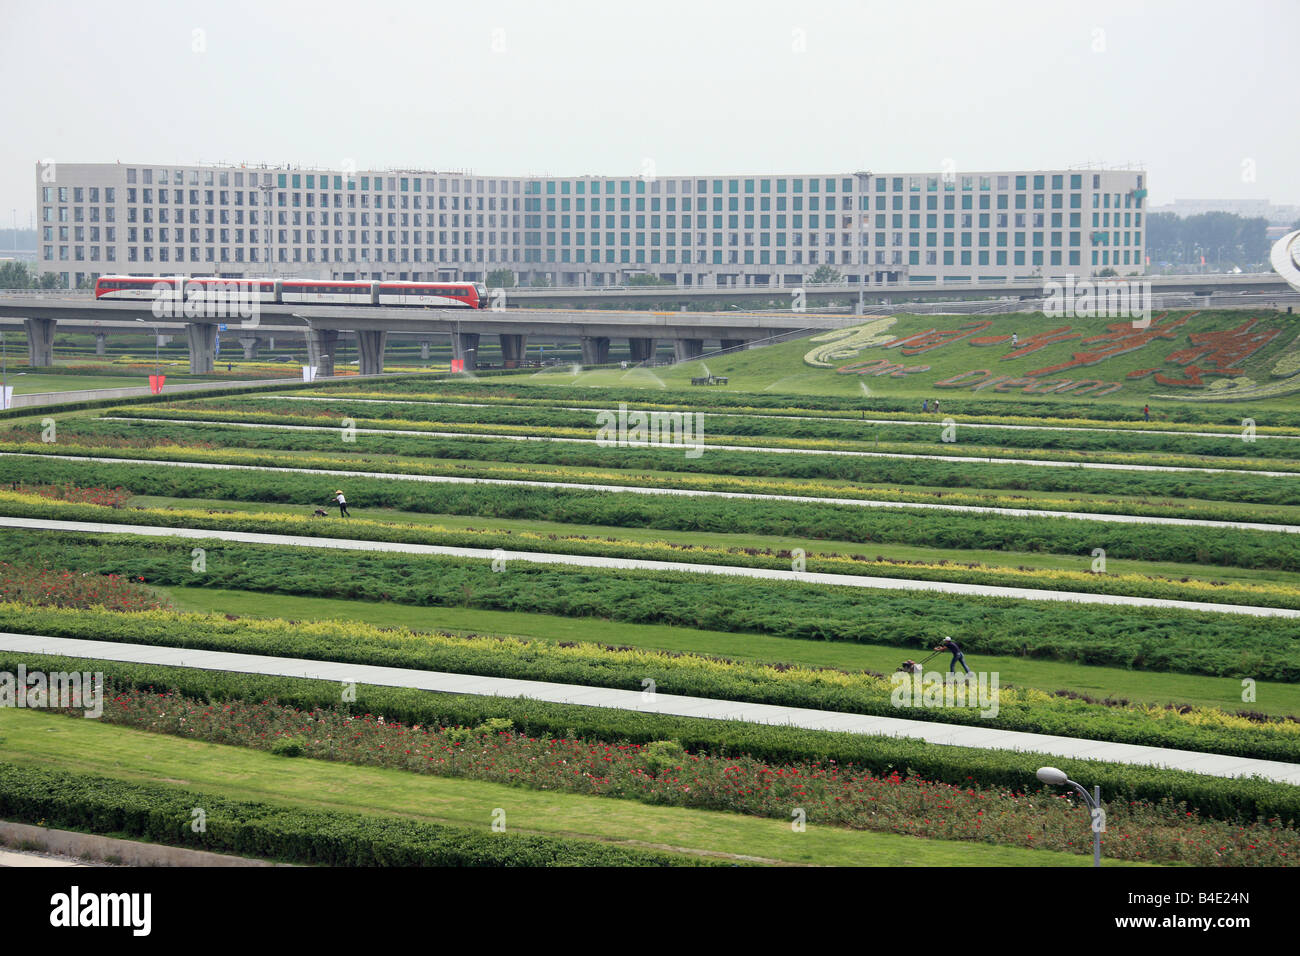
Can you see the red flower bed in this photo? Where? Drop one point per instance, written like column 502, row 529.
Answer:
column 108, row 497
column 74, row 589
column 662, row 773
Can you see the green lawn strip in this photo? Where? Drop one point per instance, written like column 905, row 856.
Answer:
column 1114, row 501
column 919, row 427
column 452, row 396
column 627, row 669
column 710, row 539
column 293, row 526
column 645, row 388
column 928, row 475
column 1264, row 454
column 25, row 383
column 1220, row 798
column 820, row 521
column 1208, row 494
column 1157, row 639
column 1273, row 698
column 29, row 738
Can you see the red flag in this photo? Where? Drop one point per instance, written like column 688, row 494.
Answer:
column 156, row 383
column 458, row 365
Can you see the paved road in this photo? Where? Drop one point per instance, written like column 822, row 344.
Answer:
column 641, row 490
column 948, row 734
column 635, row 564
column 1044, row 462
column 1235, row 435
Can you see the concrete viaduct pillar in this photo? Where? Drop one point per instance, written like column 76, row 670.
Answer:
column 321, row 344
column 100, row 341
column 643, row 350
column 40, row 342
column 684, row 349
column 513, row 349
column 595, row 350
column 370, row 345
column 424, row 350
column 464, row 345
column 250, row 347
column 203, row 346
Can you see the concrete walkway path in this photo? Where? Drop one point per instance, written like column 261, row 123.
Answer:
column 689, row 492
column 987, row 738
column 635, row 564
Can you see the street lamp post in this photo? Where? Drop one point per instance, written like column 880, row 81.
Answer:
column 156, row 336
column 1058, row 778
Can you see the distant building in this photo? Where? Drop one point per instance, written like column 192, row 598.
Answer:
column 730, row 230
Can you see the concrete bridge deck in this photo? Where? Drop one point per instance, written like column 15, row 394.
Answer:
column 40, row 315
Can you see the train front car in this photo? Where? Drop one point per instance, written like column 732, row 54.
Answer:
column 133, row 287
column 430, row 295
column 481, row 293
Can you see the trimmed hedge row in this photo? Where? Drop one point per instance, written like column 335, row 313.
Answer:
column 1203, row 729
column 1141, row 638
column 897, row 437
column 818, row 521
column 162, row 814
column 1020, row 405
column 1229, row 489
column 828, row 562
column 1218, row 797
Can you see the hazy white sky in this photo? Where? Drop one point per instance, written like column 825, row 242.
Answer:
column 1202, row 93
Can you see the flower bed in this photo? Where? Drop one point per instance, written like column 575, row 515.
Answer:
column 663, row 773
column 102, row 497
column 1239, row 800
column 25, row 584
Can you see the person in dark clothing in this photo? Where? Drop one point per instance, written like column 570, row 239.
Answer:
column 1146, row 412
column 343, row 504
column 952, row 647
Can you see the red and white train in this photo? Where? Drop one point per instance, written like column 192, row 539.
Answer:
column 433, row 295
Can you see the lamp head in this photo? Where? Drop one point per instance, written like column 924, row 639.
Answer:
column 1050, row 775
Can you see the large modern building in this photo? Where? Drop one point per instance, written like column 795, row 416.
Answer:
column 742, row 230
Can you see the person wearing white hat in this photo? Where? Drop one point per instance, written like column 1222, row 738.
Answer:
column 342, row 503
column 952, row 647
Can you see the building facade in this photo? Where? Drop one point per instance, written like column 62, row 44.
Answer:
column 745, row 230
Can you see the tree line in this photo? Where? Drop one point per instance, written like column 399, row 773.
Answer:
column 1224, row 239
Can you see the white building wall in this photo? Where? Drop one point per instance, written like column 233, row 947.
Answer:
column 715, row 230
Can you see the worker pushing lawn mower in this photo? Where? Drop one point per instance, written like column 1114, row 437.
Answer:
column 947, row 644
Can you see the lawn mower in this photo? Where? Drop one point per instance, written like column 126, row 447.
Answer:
column 914, row 667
